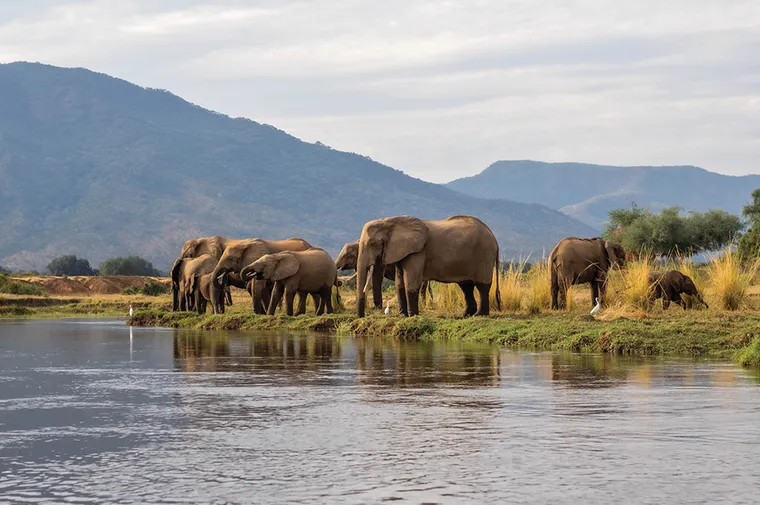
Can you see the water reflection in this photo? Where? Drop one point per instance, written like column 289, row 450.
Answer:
column 93, row 411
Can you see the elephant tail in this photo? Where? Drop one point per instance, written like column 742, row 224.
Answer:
column 498, row 274
column 337, row 283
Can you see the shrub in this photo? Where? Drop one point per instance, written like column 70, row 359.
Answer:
column 4, row 271
column 69, row 265
column 151, row 288
column 130, row 265
column 730, row 280
column 11, row 287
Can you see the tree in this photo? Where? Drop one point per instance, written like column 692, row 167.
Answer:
column 69, row 265
column 130, row 265
column 749, row 244
column 669, row 233
column 4, row 271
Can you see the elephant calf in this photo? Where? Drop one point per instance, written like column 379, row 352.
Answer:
column 670, row 285
column 311, row 271
column 207, row 291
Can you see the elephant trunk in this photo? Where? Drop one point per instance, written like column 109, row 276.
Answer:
column 246, row 271
column 362, row 271
column 218, row 271
column 175, row 283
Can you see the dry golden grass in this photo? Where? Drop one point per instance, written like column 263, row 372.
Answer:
column 730, row 280
column 630, row 287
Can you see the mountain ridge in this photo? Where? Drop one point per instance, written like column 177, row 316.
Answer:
column 96, row 166
column 589, row 191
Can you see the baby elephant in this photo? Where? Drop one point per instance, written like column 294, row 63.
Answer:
column 311, row 271
column 670, row 285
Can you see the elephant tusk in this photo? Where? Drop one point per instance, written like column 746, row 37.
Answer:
column 369, row 279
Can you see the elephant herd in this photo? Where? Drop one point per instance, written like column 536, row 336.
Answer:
column 407, row 250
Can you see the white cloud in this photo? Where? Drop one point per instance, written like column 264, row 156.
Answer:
column 439, row 89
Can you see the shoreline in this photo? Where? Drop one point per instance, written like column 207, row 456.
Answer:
column 723, row 335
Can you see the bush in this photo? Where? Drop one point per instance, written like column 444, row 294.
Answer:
column 151, row 288
column 11, row 287
column 130, row 265
column 731, row 280
column 69, row 265
column 4, row 271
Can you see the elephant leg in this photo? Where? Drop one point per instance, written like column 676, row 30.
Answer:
column 401, row 291
column 259, row 294
column 468, row 288
column 277, row 293
column 326, row 295
column 594, row 292
column 677, row 299
column 423, row 292
column 318, row 302
column 665, row 302
column 290, row 296
column 378, row 272
column 302, row 296
column 484, row 290
column 228, row 295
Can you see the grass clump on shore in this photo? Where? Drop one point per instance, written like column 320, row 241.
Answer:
column 730, row 280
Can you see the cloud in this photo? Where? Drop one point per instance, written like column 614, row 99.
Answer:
column 439, row 89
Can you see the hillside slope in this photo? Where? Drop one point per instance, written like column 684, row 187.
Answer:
column 587, row 192
column 95, row 166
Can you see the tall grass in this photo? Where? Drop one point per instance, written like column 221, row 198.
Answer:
column 510, row 285
column 538, row 295
column 630, row 286
column 730, row 280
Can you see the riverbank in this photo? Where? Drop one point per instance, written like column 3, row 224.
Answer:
column 694, row 333
column 52, row 307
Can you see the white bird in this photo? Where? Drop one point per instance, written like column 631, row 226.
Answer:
column 596, row 307
column 131, row 311
column 388, row 308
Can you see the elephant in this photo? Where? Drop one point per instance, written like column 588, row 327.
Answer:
column 188, row 271
column 580, row 260
column 231, row 279
column 670, row 285
column 192, row 248
column 347, row 261
column 460, row 249
column 239, row 255
column 311, row 271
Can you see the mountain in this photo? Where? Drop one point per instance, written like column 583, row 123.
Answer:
column 587, row 192
column 98, row 167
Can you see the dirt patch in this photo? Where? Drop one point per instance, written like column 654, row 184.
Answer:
column 64, row 286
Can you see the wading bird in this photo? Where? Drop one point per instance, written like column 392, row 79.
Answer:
column 596, row 307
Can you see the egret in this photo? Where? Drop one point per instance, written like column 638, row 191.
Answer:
column 596, row 307
column 388, row 308
column 131, row 311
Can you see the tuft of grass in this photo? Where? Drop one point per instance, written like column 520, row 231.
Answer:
column 730, row 280
column 510, row 285
column 630, row 287
column 749, row 357
column 538, row 295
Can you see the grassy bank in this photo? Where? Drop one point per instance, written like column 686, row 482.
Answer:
column 726, row 335
column 52, row 307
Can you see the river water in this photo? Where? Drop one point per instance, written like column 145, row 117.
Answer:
column 96, row 412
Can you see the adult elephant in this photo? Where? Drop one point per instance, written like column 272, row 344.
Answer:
column 192, row 248
column 241, row 254
column 459, row 249
column 347, row 261
column 579, row 261
column 188, row 272
column 671, row 285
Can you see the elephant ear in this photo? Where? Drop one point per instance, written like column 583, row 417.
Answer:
column 287, row 266
column 407, row 236
column 615, row 253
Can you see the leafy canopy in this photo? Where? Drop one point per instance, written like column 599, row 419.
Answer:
column 69, row 265
column 668, row 232
column 749, row 244
column 129, row 265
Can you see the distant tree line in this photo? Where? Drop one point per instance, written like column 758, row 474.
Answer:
column 670, row 233
column 130, row 265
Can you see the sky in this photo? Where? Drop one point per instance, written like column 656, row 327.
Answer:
column 438, row 89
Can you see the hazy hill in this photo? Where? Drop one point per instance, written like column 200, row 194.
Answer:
column 587, row 192
column 95, row 166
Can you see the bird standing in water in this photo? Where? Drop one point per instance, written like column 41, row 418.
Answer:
column 131, row 311
column 596, row 307
column 388, row 308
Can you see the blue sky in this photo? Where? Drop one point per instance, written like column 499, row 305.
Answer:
column 438, row 89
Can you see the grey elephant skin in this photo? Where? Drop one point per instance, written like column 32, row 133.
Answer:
column 579, row 261
column 670, row 285
column 188, row 272
column 242, row 253
column 297, row 272
column 460, row 249
column 347, row 261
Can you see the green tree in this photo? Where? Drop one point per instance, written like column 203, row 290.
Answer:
column 129, row 265
column 69, row 265
column 4, row 271
column 749, row 244
column 669, row 233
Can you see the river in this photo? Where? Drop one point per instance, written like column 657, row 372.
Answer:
column 96, row 412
